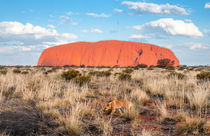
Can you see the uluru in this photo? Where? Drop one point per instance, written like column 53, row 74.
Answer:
column 105, row 53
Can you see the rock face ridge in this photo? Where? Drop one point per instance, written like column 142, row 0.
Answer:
column 105, row 53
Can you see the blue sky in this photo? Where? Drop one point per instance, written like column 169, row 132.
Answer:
column 27, row 27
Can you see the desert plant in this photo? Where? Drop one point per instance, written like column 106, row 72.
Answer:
column 70, row 74
column 198, row 97
column 145, row 132
column 128, row 71
column 81, row 80
column 16, row 71
column 24, row 72
column 205, row 75
column 141, row 66
column 206, row 128
column 191, row 126
column 170, row 68
column 100, row 73
column 3, row 72
column 104, row 126
column 124, row 76
column 178, row 75
column 165, row 62
column 139, row 96
column 130, row 115
column 161, row 107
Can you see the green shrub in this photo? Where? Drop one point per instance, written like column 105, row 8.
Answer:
column 81, row 80
column 191, row 126
column 16, row 71
column 150, row 68
column 205, row 75
column 24, row 72
column 124, row 76
column 128, row 70
column 70, row 74
column 3, row 72
column 141, row 66
column 100, row 73
column 170, row 68
column 178, row 75
column 165, row 62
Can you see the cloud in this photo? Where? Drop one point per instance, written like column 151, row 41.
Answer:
column 96, row 30
column 194, row 46
column 98, row 15
column 207, row 5
column 163, row 9
column 11, row 49
column 118, row 10
column 22, row 36
column 188, row 20
column 138, row 36
column 84, row 31
column 207, row 32
column 169, row 27
column 67, row 20
column 51, row 26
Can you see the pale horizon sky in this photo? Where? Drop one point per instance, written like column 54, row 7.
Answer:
column 27, row 27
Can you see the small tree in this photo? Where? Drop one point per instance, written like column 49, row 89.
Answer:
column 165, row 62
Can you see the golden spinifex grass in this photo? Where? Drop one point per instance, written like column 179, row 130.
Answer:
column 77, row 107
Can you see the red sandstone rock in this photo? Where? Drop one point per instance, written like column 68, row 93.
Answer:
column 105, row 53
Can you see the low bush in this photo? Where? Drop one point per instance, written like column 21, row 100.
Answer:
column 128, row 71
column 178, row 75
column 81, row 80
column 205, row 75
column 100, row 73
column 124, row 76
column 16, row 71
column 191, row 126
column 24, row 72
column 170, row 68
column 3, row 72
column 165, row 62
column 70, row 74
column 141, row 66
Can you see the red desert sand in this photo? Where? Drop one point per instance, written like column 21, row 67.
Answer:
column 105, row 53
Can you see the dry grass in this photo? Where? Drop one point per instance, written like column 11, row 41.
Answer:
column 77, row 109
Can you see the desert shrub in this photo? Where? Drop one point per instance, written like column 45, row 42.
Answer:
column 124, row 76
column 141, row 66
column 191, row 126
column 130, row 115
column 170, row 68
column 150, row 68
column 205, row 75
column 165, row 62
column 104, row 126
column 178, row 75
column 24, row 72
column 70, row 74
column 128, row 70
column 16, row 71
column 206, row 128
column 180, row 68
column 81, row 80
column 3, row 72
column 100, row 73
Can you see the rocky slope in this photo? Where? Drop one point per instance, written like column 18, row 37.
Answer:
column 105, row 53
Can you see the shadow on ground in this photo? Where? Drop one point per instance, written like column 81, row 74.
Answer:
column 18, row 118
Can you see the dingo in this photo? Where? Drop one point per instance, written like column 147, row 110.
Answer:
column 118, row 104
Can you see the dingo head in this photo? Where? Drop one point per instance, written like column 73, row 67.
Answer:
column 108, row 107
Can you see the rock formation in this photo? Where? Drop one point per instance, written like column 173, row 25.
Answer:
column 105, row 53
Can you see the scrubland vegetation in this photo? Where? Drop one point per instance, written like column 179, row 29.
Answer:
column 70, row 101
